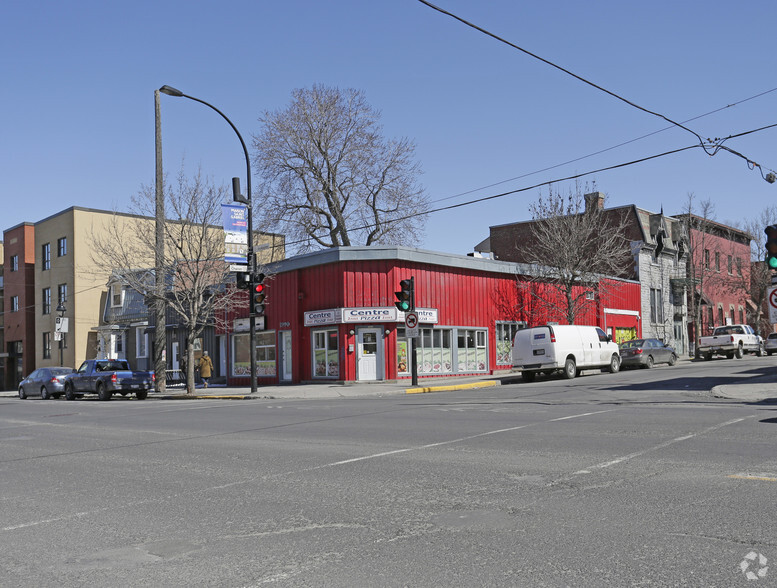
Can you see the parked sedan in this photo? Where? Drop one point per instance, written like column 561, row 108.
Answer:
column 45, row 382
column 771, row 344
column 646, row 353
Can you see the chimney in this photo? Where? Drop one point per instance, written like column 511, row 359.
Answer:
column 594, row 201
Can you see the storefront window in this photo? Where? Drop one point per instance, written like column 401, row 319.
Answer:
column 471, row 350
column 434, row 353
column 403, row 361
column 326, row 354
column 265, row 354
column 505, row 333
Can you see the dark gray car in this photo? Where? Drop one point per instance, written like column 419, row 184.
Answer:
column 646, row 353
column 45, row 382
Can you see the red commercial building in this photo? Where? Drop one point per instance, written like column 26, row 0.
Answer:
column 331, row 316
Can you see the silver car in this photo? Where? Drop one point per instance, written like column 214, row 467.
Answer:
column 771, row 344
column 646, row 353
column 45, row 382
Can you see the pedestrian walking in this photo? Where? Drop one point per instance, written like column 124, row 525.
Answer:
column 206, row 368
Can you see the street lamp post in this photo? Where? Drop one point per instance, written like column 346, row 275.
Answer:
column 250, row 254
column 61, row 310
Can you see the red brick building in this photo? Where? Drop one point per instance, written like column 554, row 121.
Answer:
column 331, row 316
column 19, row 303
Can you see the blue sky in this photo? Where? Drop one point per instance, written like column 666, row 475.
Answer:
column 78, row 80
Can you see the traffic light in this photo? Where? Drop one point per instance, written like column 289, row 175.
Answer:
column 771, row 246
column 243, row 280
column 258, row 295
column 406, row 295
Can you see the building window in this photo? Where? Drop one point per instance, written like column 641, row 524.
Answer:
column 326, row 356
column 710, row 317
column 46, row 300
column 14, row 265
column 46, row 345
column 656, row 306
column 706, row 259
column 61, row 294
column 61, row 246
column 731, row 313
column 505, row 333
column 116, row 295
column 45, row 257
column 471, row 350
column 265, row 353
column 141, row 342
column 730, row 265
column 741, row 316
column 717, row 261
column 434, row 351
column 14, row 304
column 739, row 266
column 720, row 315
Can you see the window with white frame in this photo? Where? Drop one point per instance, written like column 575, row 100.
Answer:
column 14, row 304
column 326, row 354
column 14, row 264
column 45, row 256
column 505, row 333
column 656, row 306
column 434, row 351
column 61, row 293
column 141, row 342
column 46, row 300
column 471, row 350
column 116, row 294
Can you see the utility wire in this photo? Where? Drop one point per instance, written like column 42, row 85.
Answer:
column 702, row 144
column 603, row 150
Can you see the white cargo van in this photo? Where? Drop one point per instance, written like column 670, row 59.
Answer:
column 569, row 348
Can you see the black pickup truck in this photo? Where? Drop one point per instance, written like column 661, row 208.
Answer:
column 105, row 377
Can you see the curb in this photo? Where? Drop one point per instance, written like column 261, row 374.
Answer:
column 208, row 397
column 483, row 384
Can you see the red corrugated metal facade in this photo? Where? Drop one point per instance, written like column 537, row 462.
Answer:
column 331, row 316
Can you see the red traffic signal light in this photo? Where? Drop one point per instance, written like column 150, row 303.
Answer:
column 258, row 295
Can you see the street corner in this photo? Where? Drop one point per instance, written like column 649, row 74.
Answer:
column 449, row 387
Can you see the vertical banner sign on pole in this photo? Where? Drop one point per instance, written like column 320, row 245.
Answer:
column 235, row 220
column 772, row 298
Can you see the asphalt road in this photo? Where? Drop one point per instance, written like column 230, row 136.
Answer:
column 640, row 478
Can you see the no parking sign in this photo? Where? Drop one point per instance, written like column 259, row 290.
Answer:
column 772, row 298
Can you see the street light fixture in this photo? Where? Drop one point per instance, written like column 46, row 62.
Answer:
column 61, row 310
column 170, row 91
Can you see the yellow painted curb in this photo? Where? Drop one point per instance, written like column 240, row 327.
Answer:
column 483, row 384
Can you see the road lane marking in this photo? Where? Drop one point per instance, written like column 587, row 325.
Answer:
column 624, row 458
column 750, row 477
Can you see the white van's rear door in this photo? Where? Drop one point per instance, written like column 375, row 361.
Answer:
column 542, row 345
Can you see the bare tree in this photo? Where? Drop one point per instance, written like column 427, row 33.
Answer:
column 328, row 177
column 193, row 257
column 573, row 247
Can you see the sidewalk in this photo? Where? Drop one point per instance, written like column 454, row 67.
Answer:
column 762, row 388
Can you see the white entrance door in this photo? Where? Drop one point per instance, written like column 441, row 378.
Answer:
column 368, row 354
column 285, row 370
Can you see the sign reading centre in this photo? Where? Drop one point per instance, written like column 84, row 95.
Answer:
column 379, row 314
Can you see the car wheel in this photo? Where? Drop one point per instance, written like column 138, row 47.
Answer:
column 102, row 392
column 760, row 352
column 707, row 356
column 672, row 359
column 615, row 364
column 69, row 392
column 141, row 394
column 649, row 362
column 22, row 393
column 44, row 393
column 739, row 352
column 570, row 368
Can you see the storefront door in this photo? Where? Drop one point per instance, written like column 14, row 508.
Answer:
column 369, row 365
column 285, row 367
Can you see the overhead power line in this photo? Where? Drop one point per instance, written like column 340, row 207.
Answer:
column 711, row 146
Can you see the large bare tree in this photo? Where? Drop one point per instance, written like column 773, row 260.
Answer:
column 328, row 177
column 572, row 247
column 193, row 257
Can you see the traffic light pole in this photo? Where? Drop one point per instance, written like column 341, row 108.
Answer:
column 250, row 253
